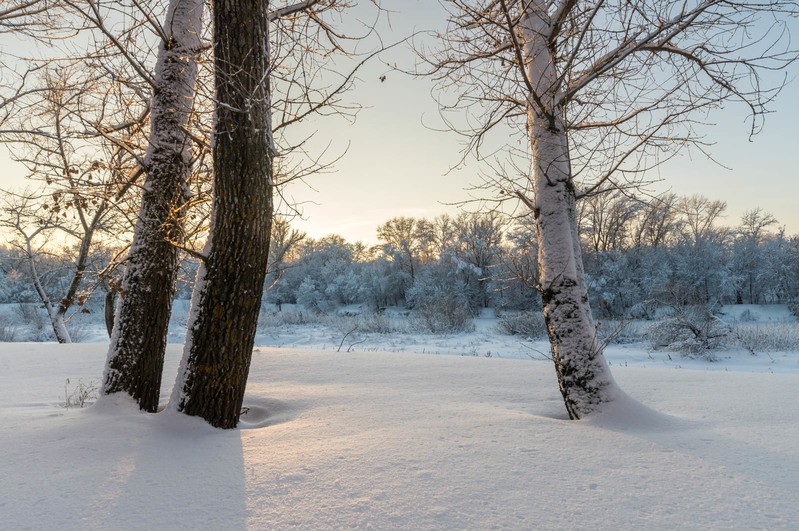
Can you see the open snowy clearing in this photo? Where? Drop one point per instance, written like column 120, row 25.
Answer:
column 398, row 440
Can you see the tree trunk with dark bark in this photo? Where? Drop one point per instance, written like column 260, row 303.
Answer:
column 227, row 296
column 136, row 355
column 108, row 311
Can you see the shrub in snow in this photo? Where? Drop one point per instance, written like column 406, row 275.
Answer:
column 647, row 310
column 82, row 395
column 691, row 330
column 747, row 316
column 7, row 332
column 622, row 332
column 440, row 301
column 444, row 315
column 376, row 323
column 30, row 315
column 271, row 319
column 312, row 298
column 779, row 337
column 79, row 332
column 528, row 324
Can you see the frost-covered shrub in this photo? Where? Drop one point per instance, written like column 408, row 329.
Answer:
column 444, row 314
column 79, row 332
column 440, row 301
column 639, row 311
column 747, row 316
column 271, row 319
column 646, row 310
column 528, row 324
column 30, row 315
column 311, row 298
column 33, row 324
column 7, row 332
column 768, row 337
column 691, row 331
column 621, row 332
column 376, row 323
column 368, row 323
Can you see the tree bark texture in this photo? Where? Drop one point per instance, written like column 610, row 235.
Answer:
column 136, row 355
column 227, row 297
column 583, row 375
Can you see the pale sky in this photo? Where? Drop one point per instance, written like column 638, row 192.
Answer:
column 395, row 166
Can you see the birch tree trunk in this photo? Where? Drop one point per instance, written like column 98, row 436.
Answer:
column 56, row 319
column 583, row 375
column 227, row 297
column 136, row 355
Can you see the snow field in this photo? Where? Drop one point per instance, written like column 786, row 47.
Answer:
column 400, row 441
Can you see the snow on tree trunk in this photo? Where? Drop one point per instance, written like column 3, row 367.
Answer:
column 59, row 326
column 583, row 375
column 136, row 355
column 56, row 318
column 227, row 298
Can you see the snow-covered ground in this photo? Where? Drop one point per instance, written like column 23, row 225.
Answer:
column 405, row 439
column 297, row 329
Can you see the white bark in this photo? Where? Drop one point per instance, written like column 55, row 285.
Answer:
column 583, row 375
column 56, row 317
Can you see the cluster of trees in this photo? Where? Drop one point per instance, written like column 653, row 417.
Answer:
column 674, row 251
column 639, row 255
column 450, row 265
column 145, row 122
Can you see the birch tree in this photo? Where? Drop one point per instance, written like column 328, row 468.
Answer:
column 599, row 91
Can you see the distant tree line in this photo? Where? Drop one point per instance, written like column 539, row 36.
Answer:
column 639, row 255
column 674, row 251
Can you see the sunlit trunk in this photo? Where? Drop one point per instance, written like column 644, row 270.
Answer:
column 136, row 355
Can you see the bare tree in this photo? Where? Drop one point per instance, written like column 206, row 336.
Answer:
column 607, row 220
column 699, row 215
column 748, row 245
column 600, row 91
column 145, row 113
column 403, row 236
column 658, row 221
column 81, row 187
column 283, row 241
column 230, row 283
column 25, row 16
column 31, row 240
column 479, row 238
column 163, row 128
